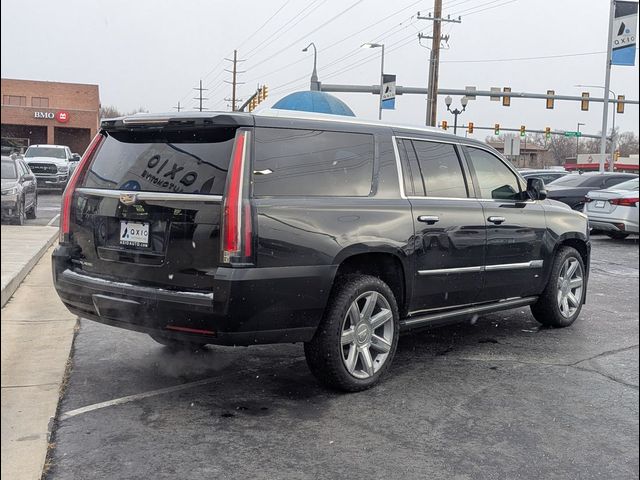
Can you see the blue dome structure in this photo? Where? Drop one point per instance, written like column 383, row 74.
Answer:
column 314, row 101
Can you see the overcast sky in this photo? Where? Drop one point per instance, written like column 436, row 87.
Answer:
column 151, row 54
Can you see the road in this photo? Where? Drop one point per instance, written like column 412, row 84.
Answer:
column 48, row 208
column 500, row 398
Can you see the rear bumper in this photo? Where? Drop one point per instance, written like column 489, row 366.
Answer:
column 245, row 306
column 613, row 224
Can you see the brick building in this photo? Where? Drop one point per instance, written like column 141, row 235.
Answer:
column 35, row 112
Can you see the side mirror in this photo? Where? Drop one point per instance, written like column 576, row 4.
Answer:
column 29, row 177
column 536, row 188
column 75, row 157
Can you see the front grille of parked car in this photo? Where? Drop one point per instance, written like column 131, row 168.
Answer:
column 48, row 168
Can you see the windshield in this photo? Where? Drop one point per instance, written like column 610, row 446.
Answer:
column 9, row 169
column 628, row 185
column 45, row 152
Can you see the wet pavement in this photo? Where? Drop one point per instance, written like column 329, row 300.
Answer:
column 502, row 398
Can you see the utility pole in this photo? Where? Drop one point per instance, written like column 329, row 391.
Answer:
column 607, row 81
column 434, row 62
column 200, row 98
column 234, row 80
column 178, row 107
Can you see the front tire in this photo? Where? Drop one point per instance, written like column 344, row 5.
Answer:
column 358, row 335
column 31, row 213
column 561, row 302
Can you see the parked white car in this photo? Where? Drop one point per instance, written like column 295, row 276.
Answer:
column 615, row 210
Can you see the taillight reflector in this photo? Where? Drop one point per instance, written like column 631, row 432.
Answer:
column 237, row 219
column 78, row 173
column 625, row 202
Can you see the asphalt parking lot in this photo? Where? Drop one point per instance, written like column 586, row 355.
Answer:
column 500, row 398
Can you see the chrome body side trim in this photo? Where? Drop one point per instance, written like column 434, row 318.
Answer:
column 484, row 268
column 141, row 196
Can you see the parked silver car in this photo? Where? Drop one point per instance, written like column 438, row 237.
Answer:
column 615, row 210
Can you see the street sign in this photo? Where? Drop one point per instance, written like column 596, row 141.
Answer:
column 388, row 92
column 511, row 145
column 572, row 134
column 470, row 92
column 497, row 96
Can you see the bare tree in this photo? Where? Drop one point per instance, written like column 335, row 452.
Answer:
column 628, row 144
column 109, row 112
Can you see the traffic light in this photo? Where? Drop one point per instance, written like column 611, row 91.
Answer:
column 506, row 101
column 470, row 127
column 547, row 132
column 616, row 155
column 620, row 106
column 496, row 129
column 550, row 100
column 523, row 130
column 265, row 92
column 584, row 104
column 253, row 104
column 444, row 124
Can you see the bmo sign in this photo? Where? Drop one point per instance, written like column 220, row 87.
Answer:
column 60, row 116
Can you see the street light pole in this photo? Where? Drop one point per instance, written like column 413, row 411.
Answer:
column 456, row 112
column 380, row 46
column 314, row 75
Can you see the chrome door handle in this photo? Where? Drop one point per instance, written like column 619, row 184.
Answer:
column 429, row 219
column 497, row 220
column 266, row 171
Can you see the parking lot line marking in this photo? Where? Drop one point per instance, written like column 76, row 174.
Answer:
column 137, row 396
column 160, row 391
column 53, row 220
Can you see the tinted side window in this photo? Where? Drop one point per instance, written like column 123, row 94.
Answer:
column 441, row 170
column 312, row 163
column 495, row 179
column 611, row 181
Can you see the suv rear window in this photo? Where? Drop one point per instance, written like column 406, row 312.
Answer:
column 186, row 161
column 312, row 163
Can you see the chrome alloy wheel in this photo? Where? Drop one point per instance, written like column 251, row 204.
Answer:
column 367, row 334
column 570, row 285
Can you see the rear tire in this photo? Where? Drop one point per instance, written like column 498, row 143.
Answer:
column 358, row 335
column 617, row 235
column 178, row 345
column 561, row 302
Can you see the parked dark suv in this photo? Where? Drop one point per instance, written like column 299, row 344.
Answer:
column 242, row 229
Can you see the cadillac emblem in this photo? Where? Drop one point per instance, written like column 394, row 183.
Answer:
column 128, row 198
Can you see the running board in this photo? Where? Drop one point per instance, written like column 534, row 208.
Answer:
column 454, row 316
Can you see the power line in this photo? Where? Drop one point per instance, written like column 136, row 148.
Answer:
column 525, row 58
column 263, row 25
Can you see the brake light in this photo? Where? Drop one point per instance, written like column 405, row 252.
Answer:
column 625, row 202
column 76, row 176
column 237, row 218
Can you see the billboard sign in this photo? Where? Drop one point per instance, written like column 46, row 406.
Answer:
column 388, row 97
column 623, row 41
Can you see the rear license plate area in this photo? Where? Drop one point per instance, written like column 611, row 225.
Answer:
column 600, row 204
column 134, row 234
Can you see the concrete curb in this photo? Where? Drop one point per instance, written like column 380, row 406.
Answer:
column 14, row 283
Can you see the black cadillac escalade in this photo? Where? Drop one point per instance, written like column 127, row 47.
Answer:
column 241, row 229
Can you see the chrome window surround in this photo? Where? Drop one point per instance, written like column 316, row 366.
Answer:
column 151, row 196
column 396, row 152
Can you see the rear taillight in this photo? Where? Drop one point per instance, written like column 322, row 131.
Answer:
column 76, row 177
column 237, row 221
column 624, row 202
